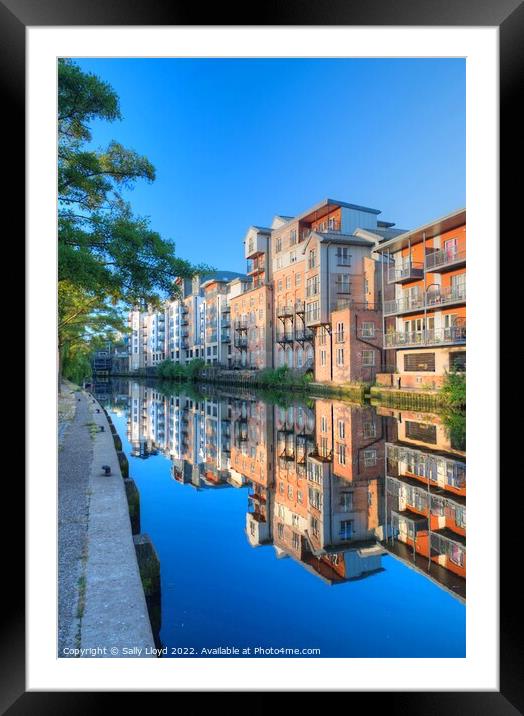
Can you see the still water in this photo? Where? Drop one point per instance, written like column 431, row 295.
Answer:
column 315, row 525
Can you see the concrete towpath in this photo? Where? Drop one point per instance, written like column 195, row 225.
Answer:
column 103, row 608
column 75, row 454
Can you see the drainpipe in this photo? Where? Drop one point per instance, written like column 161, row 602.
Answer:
column 329, row 313
column 382, row 356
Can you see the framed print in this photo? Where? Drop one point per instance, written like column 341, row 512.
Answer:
column 247, row 401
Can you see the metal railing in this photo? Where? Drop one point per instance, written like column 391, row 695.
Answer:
column 285, row 311
column 442, row 297
column 450, row 294
column 285, row 337
column 440, row 259
column 406, row 271
column 439, row 336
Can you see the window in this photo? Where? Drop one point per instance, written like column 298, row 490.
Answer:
column 424, row 432
column 298, row 279
column 346, row 501
column 323, row 424
column 281, row 488
column 299, row 496
column 314, row 498
column 368, row 358
column 368, row 329
column 370, row 430
column 451, row 248
column 296, row 540
column 312, row 286
column 370, row 458
column 457, row 361
column 456, row 555
column 339, row 337
column 421, row 362
column 346, row 529
column 294, row 520
column 293, row 237
column 278, row 245
column 340, row 356
column 341, row 429
column 288, row 281
column 290, row 491
column 292, row 257
column 279, row 284
column 342, row 283
column 312, row 312
column 280, row 530
column 323, row 357
column 312, row 259
column 314, row 526
column 341, row 454
column 343, row 256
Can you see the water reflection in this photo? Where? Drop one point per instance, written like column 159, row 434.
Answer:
column 339, row 489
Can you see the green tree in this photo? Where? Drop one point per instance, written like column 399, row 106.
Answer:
column 108, row 258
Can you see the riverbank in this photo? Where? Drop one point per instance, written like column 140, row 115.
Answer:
column 102, row 607
column 354, row 392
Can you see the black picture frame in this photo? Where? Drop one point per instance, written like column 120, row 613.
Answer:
column 508, row 15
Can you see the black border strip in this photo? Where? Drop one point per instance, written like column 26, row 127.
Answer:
column 15, row 15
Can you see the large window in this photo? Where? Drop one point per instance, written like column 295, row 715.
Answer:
column 421, row 431
column 342, row 283
column 457, row 361
column 343, row 256
column 421, row 362
column 312, row 286
column 368, row 358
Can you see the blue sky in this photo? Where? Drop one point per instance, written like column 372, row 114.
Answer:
column 236, row 141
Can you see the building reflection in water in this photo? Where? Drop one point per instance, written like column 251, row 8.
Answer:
column 332, row 485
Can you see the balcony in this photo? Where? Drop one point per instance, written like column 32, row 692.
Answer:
column 225, row 338
column 446, row 296
column 256, row 265
column 456, row 335
column 240, row 325
column 285, row 337
column 408, row 271
column 285, row 311
column 402, row 461
column 240, row 342
column 403, row 305
column 442, row 260
column 303, row 335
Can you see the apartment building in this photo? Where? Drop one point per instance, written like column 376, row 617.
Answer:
column 426, row 497
column 324, row 267
column 425, row 321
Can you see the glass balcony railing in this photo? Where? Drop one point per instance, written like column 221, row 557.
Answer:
column 409, row 271
column 435, row 337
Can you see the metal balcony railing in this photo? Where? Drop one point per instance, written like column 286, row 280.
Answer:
column 441, row 336
column 443, row 258
column 285, row 311
column 403, row 305
column 450, row 294
column 285, row 337
column 441, row 297
column 408, row 271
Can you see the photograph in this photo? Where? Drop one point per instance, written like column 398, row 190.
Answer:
column 261, row 357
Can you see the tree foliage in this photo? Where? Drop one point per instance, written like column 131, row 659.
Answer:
column 108, row 258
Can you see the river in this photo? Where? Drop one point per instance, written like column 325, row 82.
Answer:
column 328, row 528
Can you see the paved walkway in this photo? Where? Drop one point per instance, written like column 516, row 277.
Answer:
column 115, row 615
column 75, row 456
